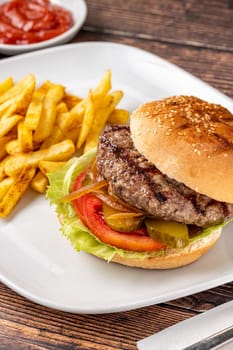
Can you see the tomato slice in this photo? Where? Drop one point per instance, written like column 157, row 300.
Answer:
column 89, row 209
column 79, row 204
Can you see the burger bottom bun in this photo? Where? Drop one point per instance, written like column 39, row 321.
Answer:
column 173, row 258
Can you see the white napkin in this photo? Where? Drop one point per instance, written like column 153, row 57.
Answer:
column 190, row 331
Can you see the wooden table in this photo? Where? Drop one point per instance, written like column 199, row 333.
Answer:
column 197, row 36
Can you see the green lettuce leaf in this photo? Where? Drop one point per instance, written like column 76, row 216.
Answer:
column 207, row 231
column 79, row 235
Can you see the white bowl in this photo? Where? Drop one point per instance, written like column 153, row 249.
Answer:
column 78, row 8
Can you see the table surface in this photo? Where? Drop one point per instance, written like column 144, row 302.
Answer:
column 197, row 36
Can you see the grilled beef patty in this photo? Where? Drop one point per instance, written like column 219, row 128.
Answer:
column 138, row 182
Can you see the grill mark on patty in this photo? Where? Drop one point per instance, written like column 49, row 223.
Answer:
column 160, row 196
column 225, row 209
column 195, row 204
column 141, row 184
column 144, row 172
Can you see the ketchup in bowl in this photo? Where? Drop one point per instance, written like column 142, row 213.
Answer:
column 32, row 21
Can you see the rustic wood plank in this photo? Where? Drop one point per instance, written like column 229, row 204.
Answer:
column 6, row 344
column 206, row 300
column 36, row 325
column 196, row 23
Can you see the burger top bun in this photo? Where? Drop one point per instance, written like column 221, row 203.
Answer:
column 189, row 140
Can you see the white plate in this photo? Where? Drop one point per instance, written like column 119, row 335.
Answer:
column 40, row 264
column 78, row 9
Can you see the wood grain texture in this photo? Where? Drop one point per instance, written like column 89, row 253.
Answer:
column 198, row 37
column 25, row 325
column 194, row 23
column 205, row 300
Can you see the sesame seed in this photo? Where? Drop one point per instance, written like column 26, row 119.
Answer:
column 197, row 151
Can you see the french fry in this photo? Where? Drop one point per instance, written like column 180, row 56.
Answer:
column 6, row 85
column 118, row 116
column 66, row 127
column 63, row 121
column 17, row 89
column 39, row 183
column 67, row 122
column 16, row 191
column 12, row 147
column 71, row 100
column 20, row 96
column 58, row 152
column 73, row 134
column 5, row 107
column 101, row 117
column 48, row 116
column 40, row 126
column 87, row 120
column 46, row 166
column 45, row 86
column 99, row 93
column 2, row 168
column 34, row 111
column 3, row 142
column 62, row 108
column 78, row 110
column 56, row 136
column 104, row 86
column 25, row 141
column 7, row 124
column 5, row 185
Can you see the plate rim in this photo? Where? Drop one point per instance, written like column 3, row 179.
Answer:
column 123, row 307
column 163, row 61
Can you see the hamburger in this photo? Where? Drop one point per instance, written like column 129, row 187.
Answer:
column 157, row 192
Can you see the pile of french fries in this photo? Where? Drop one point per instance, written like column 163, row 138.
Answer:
column 41, row 127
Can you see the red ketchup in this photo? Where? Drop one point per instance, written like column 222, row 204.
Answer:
column 31, row 21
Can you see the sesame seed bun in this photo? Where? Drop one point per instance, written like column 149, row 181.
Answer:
column 189, row 140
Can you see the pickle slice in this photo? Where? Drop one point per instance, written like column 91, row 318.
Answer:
column 173, row 234
column 121, row 221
